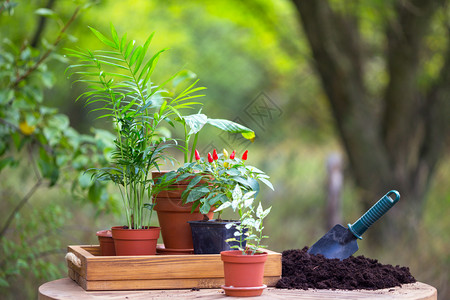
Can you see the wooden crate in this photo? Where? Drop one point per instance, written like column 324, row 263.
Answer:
column 109, row 273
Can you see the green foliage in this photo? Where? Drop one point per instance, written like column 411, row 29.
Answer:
column 35, row 238
column 215, row 180
column 36, row 137
column 249, row 231
column 119, row 80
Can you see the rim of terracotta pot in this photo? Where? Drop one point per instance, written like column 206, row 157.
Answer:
column 104, row 233
column 120, row 232
column 235, row 256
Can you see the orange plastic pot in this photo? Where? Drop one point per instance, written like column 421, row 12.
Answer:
column 243, row 273
column 106, row 241
column 135, row 241
column 173, row 216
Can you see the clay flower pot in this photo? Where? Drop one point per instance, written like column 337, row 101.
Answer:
column 243, row 273
column 173, row 216
column 106, row 243
column 135, row 241
column 209, row 236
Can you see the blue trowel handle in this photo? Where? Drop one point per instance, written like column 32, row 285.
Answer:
column 374, row 213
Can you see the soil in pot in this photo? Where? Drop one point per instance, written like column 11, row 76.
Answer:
column 106, row 243
column 301, row 270
column 209, row 236
column 135, row 241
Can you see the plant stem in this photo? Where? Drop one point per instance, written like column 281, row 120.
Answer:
column 194, row 146
column 49, row 51
column 20, row 205
column 186, row 143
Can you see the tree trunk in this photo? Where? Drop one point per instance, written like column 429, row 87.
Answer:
column 393, row 142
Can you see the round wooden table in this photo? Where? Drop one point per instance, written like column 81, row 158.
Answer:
column 67, row 289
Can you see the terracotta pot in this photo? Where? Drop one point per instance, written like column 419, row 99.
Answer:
column 106, row 243
column 173, row 216
column 135, row 241
column 243, row 273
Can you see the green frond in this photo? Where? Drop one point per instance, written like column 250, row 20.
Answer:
column 115, row 36
column 122, row 42
column 129, row 49
column 102, row 38
column 112, row 64
column 148, row 68
column 135, row 55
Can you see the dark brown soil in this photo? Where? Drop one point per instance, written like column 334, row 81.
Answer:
column 303, row 271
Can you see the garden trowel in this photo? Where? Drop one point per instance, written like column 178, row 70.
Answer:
column 340, row 242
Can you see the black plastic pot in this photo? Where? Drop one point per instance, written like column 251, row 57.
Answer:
column 209, row 236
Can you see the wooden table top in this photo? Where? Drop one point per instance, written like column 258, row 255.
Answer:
column 68, row 289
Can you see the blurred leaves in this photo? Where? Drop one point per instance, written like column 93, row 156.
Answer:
column 37, row 138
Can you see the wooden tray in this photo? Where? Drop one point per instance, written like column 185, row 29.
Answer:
column 111, row 273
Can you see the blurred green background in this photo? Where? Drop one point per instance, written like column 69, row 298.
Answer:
column 257, row 63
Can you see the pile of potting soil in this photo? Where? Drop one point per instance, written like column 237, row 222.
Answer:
column 303, row 271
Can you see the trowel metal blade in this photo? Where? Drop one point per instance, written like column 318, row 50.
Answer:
column 339, row 242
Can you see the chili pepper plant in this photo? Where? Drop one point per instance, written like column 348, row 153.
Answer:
column 217, row 176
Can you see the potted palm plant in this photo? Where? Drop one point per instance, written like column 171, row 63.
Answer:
column 120, row 87
column 213, row 183
column 244, row 267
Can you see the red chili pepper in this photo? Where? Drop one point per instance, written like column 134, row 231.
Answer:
column 215, row 157
column 210, row 158
column 233, row 154
column 197, row 155
column 244, row 156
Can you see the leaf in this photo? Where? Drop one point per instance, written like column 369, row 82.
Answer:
column 194, row 182
column 196, row 194
column 182, row 76
column 248, row 202
column 114, row 35
column 195, row 122
column 222, row 207
column 129, row 48
column 259, row 211
column 221, row 198
column 237, row 193
column 135, row 55
column 266, row 182
column 46, row 12
column 266, row 212
column 233, row 127
column 229, row 225
column 95, row 192
column 205, row 208
column 102, row 38
column 248, row 182
column 3, row 282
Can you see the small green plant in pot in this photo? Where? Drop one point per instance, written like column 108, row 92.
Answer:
column 244, row 267
column 214, row 180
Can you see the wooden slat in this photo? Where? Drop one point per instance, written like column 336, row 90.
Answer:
column 161, row 284
column 155, row 271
